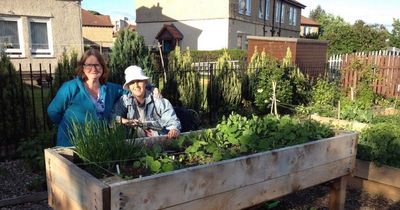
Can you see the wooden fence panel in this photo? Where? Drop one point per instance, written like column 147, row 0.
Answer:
column 386, row 66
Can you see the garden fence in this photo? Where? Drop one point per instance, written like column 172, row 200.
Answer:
column 386, row 65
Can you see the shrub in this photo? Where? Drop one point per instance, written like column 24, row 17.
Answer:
column 15, row 114
column 129, row 49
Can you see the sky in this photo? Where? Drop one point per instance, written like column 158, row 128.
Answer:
column 117, row 9
column 370, row 11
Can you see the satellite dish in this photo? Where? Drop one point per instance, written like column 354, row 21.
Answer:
column 242, row 4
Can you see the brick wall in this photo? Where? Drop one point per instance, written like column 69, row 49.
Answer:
column 310, row 55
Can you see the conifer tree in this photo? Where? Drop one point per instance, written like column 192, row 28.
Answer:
column 129, row 49
column 15, row 103
column 225, row 89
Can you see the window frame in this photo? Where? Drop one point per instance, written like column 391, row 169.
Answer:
column 260, row 9
column 267, row 9
column 42, row 52
column 15, row 53
column 248, row 8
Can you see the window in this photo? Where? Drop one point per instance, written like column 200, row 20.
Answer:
column 283, row 13
column 260, row 9
column 292, row 16
column 41, row 38
column 279, row 12
column 263, row 9
column 248, row 7
column 11, row 39
column 241, row 6
column 266, row 9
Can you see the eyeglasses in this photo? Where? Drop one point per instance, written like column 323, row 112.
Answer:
column 90, row 66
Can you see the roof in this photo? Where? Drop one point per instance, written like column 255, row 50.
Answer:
column 308, row 21
column 169, row 27
column 89, row 19
column 294, row 2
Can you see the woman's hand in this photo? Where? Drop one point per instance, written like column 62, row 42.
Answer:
column 173, row 133
column 130, row 122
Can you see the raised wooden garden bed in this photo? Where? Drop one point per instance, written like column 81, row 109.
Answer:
column 230, row 184
column 379, row 180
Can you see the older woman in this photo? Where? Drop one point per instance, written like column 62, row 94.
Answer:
column 88, row 96
column 151, row 116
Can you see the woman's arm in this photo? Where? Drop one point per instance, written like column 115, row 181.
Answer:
column 60, row 103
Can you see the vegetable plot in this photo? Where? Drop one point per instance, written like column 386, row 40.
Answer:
column 214, row 169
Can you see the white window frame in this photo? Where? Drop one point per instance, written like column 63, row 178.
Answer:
column 267, row 8
column 260, row 9
column 277, row 11
column 294, row 16
column 248, row 7
column 14, row 53
column 241, row 11
column 42, row 52
column 290, row 16
column 283, row 13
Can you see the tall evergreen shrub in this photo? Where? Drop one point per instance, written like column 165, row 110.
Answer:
column 225, row 89
column 182, row 77
column 15, row 103
column 129, row 49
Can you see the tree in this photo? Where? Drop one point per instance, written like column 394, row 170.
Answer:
column 316, row 13
column 15, row 103
column 346, row 38
column 225, row 89
column 180, row 72
column 129, row 49
column 394, row 37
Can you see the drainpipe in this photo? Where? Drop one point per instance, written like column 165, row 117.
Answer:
column 265, row 15
column 273, row 19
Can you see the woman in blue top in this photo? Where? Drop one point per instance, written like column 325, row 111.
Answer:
column 88, row 96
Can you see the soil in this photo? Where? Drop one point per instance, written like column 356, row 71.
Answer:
column 17, row 180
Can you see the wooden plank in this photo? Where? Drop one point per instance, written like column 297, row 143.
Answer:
column 39, row 196
column 384, row 174
column 251, row 195
column 206, row 180
column 68, row 182
column 337, row 195
column 375, row 188
column 352, row 125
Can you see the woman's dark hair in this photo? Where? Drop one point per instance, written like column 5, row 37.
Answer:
column 85, row 56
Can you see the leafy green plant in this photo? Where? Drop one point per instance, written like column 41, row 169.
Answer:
column 31, row 149
column 380, row 143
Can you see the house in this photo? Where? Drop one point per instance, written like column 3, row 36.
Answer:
column 308, row 26
column 211, row 25
column 33, row 32
column 97, row 31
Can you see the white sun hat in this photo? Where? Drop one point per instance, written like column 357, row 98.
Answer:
column 133, row 73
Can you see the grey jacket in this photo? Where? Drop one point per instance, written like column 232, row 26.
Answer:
column 158, row 111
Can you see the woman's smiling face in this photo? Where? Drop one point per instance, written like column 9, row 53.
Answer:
column 138, row 88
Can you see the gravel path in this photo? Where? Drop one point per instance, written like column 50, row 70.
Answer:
column 17, row 180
